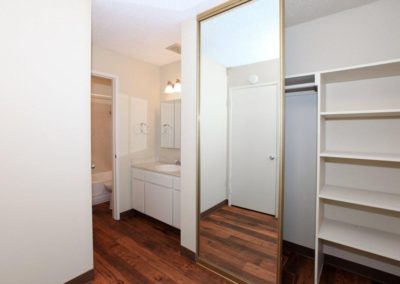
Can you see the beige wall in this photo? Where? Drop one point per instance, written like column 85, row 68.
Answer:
column 101, row 86
column 169, row 72
column 45, row 204
column 136, row 79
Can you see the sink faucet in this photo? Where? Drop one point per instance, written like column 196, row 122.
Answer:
column 178, row 162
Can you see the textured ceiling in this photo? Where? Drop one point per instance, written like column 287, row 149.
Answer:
column 144, row 28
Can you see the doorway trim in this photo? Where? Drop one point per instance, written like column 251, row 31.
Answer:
column 229, row 139
column 115, row 138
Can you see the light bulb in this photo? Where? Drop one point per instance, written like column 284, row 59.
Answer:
column 178, row 86
column 169, row 89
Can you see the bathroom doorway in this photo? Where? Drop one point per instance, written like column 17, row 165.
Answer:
column 104, row 150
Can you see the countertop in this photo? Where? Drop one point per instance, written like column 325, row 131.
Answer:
column 152, row 166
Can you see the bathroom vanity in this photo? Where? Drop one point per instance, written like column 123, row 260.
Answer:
column 155, row 191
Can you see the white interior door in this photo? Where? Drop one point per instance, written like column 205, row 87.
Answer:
column 253, row 147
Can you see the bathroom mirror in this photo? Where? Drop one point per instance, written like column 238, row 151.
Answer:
column 171, row 124
column 240, row 140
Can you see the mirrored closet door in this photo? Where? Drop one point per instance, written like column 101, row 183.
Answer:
column 240, row 141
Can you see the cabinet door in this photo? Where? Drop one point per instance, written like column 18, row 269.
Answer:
column 138, row 195
column 167, row 124
column 177, row 136
column 158, row 202
column 176, row 222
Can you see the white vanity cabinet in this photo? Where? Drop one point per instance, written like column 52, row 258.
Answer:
column 156, row 195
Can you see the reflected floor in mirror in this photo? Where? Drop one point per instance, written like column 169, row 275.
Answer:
column 242, row 241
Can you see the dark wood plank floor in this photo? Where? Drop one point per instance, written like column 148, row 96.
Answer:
column 138, row 249
column 243, row 241
column 299, row 269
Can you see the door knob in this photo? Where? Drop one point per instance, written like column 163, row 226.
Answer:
column 272, row 157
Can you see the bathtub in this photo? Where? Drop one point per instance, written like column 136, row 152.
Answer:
column 99, row 192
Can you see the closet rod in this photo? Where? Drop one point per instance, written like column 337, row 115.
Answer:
column 301, row 89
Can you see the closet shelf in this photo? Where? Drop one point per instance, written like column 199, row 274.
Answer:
column 361, row 156
column 361, row 238
column 362, row 113
column 375, row 199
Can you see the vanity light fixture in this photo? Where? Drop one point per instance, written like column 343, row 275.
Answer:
column 173, row 88
column 169, row 89
column 177, row 86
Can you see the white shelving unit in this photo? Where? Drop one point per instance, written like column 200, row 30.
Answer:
column 361, row 156
column 358, row 179
column 361, row 238
column 370, row 198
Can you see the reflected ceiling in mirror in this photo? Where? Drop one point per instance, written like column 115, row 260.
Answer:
column 251, row 31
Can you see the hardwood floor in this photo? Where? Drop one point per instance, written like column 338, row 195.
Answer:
column 298, row 269
column 242, row 241
column 139, row 249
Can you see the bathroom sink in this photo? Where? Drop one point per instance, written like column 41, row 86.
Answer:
column 168, row 168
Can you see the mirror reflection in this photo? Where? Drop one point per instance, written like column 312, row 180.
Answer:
column 171, row 124
column 239, row 135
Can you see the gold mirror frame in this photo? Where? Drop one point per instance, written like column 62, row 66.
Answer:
column 201, row 17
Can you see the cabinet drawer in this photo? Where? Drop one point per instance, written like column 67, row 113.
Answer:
column 177, row 183
column 176, row 221
column 159, row 179
column 158, row 202
column 138, row 174
column 137, row 196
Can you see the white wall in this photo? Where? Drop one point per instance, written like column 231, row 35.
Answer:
column 136, row 79
column 188, row 142
column 267, row 72
column 365, row 34
column 214, row 133
column 45, row 195
column 300, row 168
